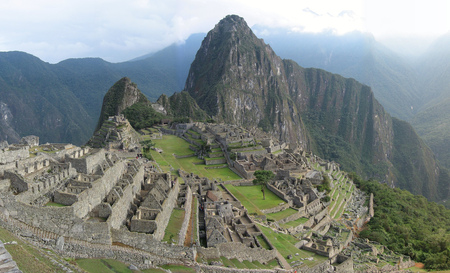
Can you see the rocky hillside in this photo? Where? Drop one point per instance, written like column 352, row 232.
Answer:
column 121, row 95
column 238, row 79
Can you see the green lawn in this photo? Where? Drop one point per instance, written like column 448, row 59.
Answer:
column 174, row 226
column 28, row 258
column 252, row 199
column 285, row 244
column 295, row 223
column 264, row 244
column 174, row 145
column 281, row 214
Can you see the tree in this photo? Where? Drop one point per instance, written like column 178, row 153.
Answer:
column 261, row 178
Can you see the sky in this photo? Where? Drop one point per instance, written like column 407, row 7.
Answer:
column 118, row 30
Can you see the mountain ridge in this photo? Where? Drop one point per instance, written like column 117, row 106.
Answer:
column 238, row 79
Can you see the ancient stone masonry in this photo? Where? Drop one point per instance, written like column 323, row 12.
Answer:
column 152, row 209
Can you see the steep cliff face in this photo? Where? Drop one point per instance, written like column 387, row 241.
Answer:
column 182, row 105
column 238, row 79
column 121, row 95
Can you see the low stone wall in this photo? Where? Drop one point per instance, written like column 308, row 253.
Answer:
column 215, row 161
column 276, row 209
column 146, row 242
column 187, row 217
column 301, row 213
column 238, row 251
column 252, row 152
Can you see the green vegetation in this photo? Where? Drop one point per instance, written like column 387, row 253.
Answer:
column 285, row 244
column 142, row 115
column 250, row 197
column 173, row 145
column 262, row 177
column 28, row 258
column 53, row 204
column 281, row 214
column 408, row 224
column 174, row 226
column 294, row 223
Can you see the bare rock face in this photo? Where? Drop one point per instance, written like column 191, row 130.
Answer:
column 238, row 79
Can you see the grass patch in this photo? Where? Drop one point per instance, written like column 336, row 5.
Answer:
column 252, row 198
column 227, row 262
column 295, row 223
column 285, row 244
column 174, row 145
column 238, row 264
column 28, row 258
column 264, row 244
column 277, row 216
column 174, row 226
column 249, row 265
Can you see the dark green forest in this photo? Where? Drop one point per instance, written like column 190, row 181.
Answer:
column 408, row 224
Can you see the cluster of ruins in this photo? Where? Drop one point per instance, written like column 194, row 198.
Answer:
column 103, row 196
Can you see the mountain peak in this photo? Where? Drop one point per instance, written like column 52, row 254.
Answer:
column 121, row 95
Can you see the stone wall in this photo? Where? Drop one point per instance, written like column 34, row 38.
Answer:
column 121, row 206
column 12, row 154
column 87, row 163
column 163, row 217
column 59, row 220
column 90, row 198
column 215, row 161
column 238, row 251
column 146, row 242
column 187, row 217
column 301, row 213
column 277, row 192
column 276, row 209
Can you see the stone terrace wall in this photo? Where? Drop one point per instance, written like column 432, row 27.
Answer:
column 59, row 220
column 187, row 217
column 121, row 206
column 238, row 251
column 90, row 198
column 146, row 242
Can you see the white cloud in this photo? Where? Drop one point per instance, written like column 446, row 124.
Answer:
column 119, row 30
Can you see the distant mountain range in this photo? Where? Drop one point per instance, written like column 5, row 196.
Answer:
column 61, row 102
